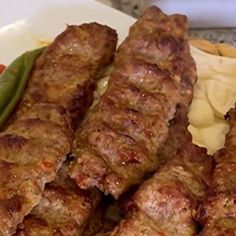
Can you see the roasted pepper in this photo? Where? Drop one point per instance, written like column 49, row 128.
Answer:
column 13, row 81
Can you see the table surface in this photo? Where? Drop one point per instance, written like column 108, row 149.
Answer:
column 222, row 35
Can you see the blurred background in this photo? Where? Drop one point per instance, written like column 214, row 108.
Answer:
column 214, row 20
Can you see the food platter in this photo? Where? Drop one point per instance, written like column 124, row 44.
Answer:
column 29, row 26
column 140, row 116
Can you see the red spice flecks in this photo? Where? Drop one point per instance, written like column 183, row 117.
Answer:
column 47, row 164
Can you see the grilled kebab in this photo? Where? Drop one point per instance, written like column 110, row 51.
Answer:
column 165, row 204
column 218, row 213
column 38, row 137
column 178, row 136
column 64, row 73
column 154, row 71
column 63, row 210
column 169, row 188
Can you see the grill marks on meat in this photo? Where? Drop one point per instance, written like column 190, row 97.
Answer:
column 32, row 150
column 38, row 137
column 167, row 202
column 63, row 210
column 153, row 73
column 218, row 213
column 162, row 40
column 64, row 73
column 178, row 135
column 138, row 222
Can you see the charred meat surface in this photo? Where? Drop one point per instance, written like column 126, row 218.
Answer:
column 32, row 150
column 178, row 135
column 64, row 73
column 218, row 213
column 154, row 71
column 137, row 224
column 63, row 210
column 168, row 201
column 38, row 136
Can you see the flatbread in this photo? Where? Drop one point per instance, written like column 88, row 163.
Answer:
column 220, row 49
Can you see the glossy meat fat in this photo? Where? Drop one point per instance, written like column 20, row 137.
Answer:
column 38, row 137
column 154, row 71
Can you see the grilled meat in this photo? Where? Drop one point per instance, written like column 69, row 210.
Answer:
column 38, row 137
column 63, row 210
column 64, row 73
column 154, row 72
column 137, row 224
column 166, row 203
column 218, row 213
column 221, row 227
column 32, row 150
column 178, row 135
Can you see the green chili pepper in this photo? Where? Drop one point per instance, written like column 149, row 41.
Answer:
column 13, row 81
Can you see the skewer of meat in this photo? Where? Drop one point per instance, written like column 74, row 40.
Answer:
column 38, row 136
column 63, row 210
column 166, row 203
column 178, row 136
column 218, row 213
column 153, row 73
column 32, row 150
column 156, row 208
column 64, row 74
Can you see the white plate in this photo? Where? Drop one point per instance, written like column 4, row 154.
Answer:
column 26, row 23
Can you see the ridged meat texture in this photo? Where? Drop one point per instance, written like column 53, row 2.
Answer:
column 64, row 73
column 167, row 202
column 218, row 213
column 139, row 223
column 154, row 71
column 178, row 135
column 32, row 149
column 63, row 210
column 38, row 136
column 221, row 227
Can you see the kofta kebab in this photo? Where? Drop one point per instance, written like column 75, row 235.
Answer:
column 38, row 136
column 136, row 131
column 154, row 72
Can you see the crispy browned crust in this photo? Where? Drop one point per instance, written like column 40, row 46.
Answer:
column 63, row 210
column 64, row 73
column 153, row 73
column 220, row 227
column 169, row 199
column 178, row 135
column 38, row 137
column 218, row 213
column 178, row 138
column 166, row 203
column 32, row 150
column 137, row 224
